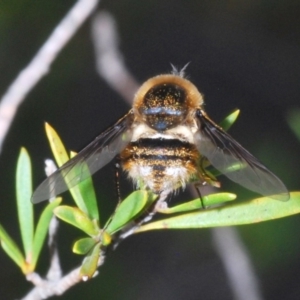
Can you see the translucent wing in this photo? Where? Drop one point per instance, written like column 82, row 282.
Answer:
column 96, row 155
column 226, row 155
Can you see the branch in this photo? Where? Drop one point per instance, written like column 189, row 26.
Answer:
column 40, row 64
column 109, row 59
column 45, row 289
column 237, row 263
column 55, row 272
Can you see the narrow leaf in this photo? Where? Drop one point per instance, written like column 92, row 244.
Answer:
column 77, row 218
column 87, row 192
column 25, row 208
column 57, row 147
column 212, row 199
column 253, row 211
column 127, row 210
column 229, row 120
column 90, row 263
column 42, row 229
column 83, row 246
column 12, row 250
column 61, row 157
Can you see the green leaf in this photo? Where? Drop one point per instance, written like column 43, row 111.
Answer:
column 61, row 157
column 57, row 147
column 248, row 212
column 128, row 209
column 77, row 218
column 12, row 250
column 90, row 263
column 105, row 238
column 229, row 120
column 87, row 192
column 42, row 229
column 25, row 208
column 212, row 199
column 83, row 246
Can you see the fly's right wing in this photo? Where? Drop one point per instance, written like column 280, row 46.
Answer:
column 235, row 162
column 94, row 156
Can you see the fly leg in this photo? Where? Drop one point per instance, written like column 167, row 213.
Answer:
column 197, row 187
column 117, row 179
column 205, row 178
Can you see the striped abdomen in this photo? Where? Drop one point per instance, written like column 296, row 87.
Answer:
column 160, row 164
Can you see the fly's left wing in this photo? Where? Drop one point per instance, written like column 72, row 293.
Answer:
column 95, row 156
column 234, row 161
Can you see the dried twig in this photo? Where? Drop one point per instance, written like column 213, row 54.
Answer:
column 237, row 264
column 45, row 288
column 109, row 59
column 55, row 272
column 40, row 64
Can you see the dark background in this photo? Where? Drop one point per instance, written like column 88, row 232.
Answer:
column 243, row 54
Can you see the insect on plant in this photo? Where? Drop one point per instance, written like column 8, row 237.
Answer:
column 165, row 141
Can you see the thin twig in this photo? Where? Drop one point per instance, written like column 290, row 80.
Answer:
column 45, row 289
column 55, row 272
column 54, row 284
column 109, row 59
column 40, row 64
column 237, row 264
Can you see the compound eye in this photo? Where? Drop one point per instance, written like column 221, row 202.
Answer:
column 164, row 106
column 166, row 95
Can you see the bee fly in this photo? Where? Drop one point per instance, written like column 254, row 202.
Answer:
column 161, row 142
